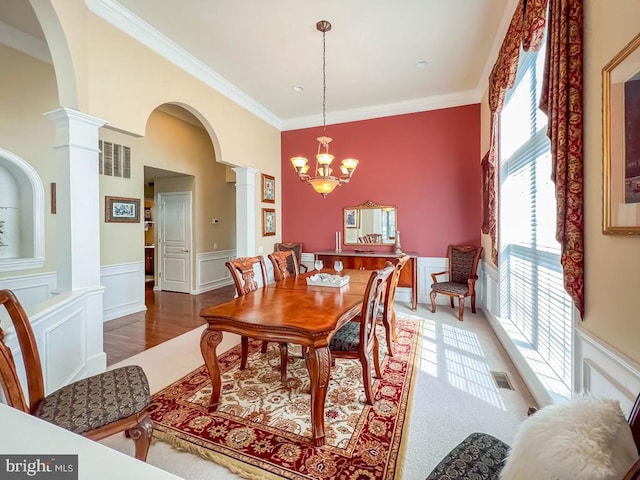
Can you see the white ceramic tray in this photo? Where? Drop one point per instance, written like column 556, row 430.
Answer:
column 327, row 280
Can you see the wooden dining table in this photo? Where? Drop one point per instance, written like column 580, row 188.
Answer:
column 289, row 311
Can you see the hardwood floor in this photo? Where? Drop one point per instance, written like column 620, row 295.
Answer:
column 168, row 315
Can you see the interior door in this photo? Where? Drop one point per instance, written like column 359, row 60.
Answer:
column 175, row 242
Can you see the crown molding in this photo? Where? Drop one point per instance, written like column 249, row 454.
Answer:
column 25, row 43
column 386, row 110
column 132, row 25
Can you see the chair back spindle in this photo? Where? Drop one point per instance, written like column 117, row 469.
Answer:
column 244, row 275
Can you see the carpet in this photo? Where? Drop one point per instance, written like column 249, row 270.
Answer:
column 262, row 428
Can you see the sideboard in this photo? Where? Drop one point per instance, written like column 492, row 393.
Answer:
column 374, row 261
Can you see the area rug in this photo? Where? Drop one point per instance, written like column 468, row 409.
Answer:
column 262, row 428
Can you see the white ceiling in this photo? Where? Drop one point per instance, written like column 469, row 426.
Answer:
column 264, row 48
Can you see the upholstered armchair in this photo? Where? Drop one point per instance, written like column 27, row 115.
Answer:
column 462, row 276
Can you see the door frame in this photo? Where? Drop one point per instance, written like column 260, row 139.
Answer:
column 159, row 253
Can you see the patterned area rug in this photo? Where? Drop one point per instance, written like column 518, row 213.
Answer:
column 262, row 429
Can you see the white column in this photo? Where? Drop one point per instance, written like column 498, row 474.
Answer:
column 245, row 211
column 78, row 202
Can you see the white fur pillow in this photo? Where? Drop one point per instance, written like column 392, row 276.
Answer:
column 586, row 438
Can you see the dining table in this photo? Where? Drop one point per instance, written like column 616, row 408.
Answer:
column 289, row 311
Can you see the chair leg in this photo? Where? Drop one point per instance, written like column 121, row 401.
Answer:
column 284, row 358
column 366, row 377
column 389, row 334
column 376, row 357
column 451, row 301
column 460, row 307
column 265, row 344
column 433, row 301
column 141, row 435
column 244, row 344
column 393, row 326
column 473, row 303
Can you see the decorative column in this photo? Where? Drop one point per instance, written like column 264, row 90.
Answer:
column 245, row 211
column 78, row 202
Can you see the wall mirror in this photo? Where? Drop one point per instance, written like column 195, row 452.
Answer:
column 621, row 141
column 370, row 223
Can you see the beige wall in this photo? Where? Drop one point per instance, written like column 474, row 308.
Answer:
column 612, row 263
column 27, row 90
column 177, row 146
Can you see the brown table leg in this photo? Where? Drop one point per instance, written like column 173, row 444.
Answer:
column 208, row 342
column 318, row 364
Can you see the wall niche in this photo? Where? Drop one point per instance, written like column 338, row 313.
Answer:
column 21, row 214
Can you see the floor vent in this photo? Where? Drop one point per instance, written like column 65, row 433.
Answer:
column 502, row 380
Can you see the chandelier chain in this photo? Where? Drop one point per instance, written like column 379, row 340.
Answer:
column 324, row 83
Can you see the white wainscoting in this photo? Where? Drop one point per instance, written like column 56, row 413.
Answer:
column 124, row 289
column 68, row 331
column 426, row 266
column 211, row 272
column 31, row 289
column 601, row 371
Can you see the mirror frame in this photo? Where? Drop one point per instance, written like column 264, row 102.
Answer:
column 615, row 183
column 368, row 205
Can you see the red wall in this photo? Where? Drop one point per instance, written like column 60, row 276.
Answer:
column 427, row 164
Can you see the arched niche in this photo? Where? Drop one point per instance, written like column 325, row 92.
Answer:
column 22, row 213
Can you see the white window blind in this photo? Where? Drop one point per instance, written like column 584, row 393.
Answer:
column 532, row 295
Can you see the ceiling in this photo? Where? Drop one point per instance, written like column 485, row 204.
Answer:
column 262, row 49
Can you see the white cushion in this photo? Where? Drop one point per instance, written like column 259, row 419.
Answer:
column 586, row 438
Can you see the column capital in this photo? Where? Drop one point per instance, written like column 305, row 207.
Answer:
column 245, row 175
column 74, row 128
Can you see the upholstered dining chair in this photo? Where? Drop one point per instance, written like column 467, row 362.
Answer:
column 95, row 407
column 386, row 314
column 244, row 277
column 462, row 276
column 358, row 339
column 281, row 261
column 296, row 247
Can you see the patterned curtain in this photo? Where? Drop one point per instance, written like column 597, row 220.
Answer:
column 562, row 102
column 526, row 28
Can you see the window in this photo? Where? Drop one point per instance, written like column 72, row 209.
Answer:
column 533, row 302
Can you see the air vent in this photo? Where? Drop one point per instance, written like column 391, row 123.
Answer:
column 114, row 160
column 501, row 380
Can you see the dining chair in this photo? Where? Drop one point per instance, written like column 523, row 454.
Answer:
column 357, row 340
column 95, row 407
column 281, row 261
column 244, row 277
column 462, row 276
column 296, row 247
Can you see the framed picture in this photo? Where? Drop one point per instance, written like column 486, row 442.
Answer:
column 121, row 209
column 351, row 218
column 268, row 189
column 621, row 142
column 268, row 222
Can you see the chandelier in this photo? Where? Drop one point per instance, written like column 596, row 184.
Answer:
column 323, row 181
